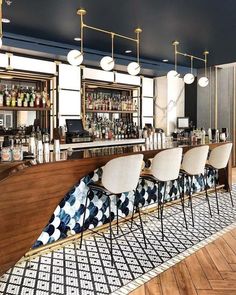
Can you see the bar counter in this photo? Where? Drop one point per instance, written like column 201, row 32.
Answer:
column 41, row 203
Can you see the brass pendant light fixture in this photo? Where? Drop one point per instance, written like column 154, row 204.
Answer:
column 174, row 73
column 204, row 81
column 107, row 63
column 189, row 77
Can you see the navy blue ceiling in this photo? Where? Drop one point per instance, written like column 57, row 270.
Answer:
column 197, row 24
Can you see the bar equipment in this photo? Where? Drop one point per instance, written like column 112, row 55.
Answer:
column 32, row 145
column 46, row 149
column 39, row 148
column 56, row 146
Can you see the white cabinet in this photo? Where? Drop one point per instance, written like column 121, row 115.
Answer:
column 148, row 87
column 98, row 75
column 147, row 101
column 69, row 99
column 147, row 107
column 69, row 77
column 3, row 60
column 69, row 102
column 32, row 65
column 127, row 79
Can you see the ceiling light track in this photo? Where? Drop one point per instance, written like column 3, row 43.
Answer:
column 107, row 63
column 189, row 77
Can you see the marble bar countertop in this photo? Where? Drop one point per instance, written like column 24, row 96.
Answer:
column 100, row 143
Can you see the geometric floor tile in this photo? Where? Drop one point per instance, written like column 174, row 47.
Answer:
column 88, row 271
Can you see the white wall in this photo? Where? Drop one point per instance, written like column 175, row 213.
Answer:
column 169, row 102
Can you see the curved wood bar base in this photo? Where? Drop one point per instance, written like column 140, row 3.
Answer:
column 29, row 196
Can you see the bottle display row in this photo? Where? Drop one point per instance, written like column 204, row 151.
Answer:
column 200, row 136
column 103, row 128
column 105, row 101
column 15, row 96
column 35, row 142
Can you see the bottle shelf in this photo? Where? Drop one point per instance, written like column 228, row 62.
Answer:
column 5, row 108
column 112, row 111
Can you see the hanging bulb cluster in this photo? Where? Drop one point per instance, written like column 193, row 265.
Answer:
column 189, row 77
column 107, row 63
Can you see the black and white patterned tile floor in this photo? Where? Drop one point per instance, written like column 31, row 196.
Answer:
column 88, row 271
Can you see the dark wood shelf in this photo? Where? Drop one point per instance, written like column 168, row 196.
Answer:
column 102, row 111
column 4, row 108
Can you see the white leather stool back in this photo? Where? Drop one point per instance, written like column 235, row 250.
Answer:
column 219, row 156
column 195, row 159
column 166, row 164
column 122, row 174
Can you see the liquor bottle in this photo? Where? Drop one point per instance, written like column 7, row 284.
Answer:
column 203, row 136
column 46, row 137
column 6, row 152
column 209, row 134
column 1, row 97
column 32, row 98
column 25, row 95
column 32, row 132
column 135, row 105
column 19, row 99
column 25, row 103
column 13, row 96
column 44, row 100
column 38, row 99
column 38, row 134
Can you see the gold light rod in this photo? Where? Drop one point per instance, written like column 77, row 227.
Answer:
column 110, row 33
column 138, row 31
column 191, row 56
column 205, row 53
column 82, row 12
column 112, row 45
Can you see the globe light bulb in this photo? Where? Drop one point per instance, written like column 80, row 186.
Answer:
column 133, row 68
column 189, row 78
column 75, row 57
column 172, row 74
column 203, row 81
column 107, row 63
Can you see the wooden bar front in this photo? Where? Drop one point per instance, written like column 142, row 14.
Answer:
column 29, row 196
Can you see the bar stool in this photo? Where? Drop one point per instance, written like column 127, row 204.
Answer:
column 165, row 168
column 219, row 158
column 193, row 164
column 120, row 175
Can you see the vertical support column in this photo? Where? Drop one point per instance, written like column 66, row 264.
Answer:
column 216, row 98
column 234, row 114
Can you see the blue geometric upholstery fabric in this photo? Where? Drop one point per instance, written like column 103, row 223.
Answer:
column 67, row 218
